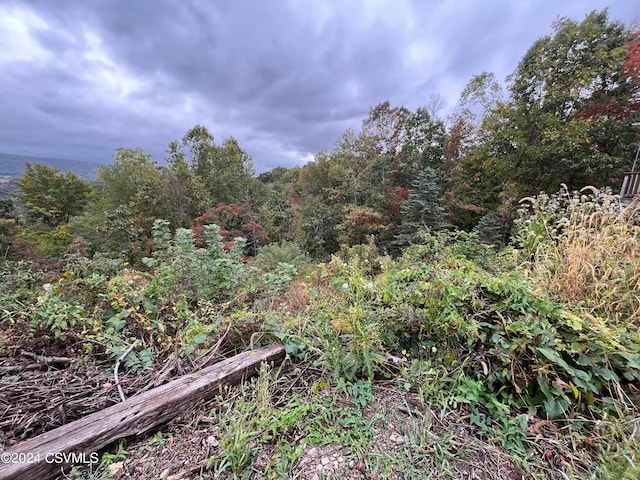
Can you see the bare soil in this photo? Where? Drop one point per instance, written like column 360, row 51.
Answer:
column 46, row 384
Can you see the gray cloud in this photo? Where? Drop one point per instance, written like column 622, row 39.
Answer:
column 285, row 78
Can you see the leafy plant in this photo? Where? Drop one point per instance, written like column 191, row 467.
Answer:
column 182, row 269
column 100, row 264
column 272, row 255
column 52, row 312
column 17, row 281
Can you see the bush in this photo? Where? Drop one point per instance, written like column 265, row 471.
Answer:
column 270, row 256
column 100, row 264
column 183, row 270
column 54, row 313
column 17, row 281
column 519, row 346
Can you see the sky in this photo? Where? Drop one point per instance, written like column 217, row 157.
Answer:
column 286, row 78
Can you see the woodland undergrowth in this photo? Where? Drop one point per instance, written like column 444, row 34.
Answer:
column 543, row 331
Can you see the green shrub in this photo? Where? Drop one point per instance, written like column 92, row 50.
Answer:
column 17, row 281
column 518, row 345
column 100, row 264
column 52, row 312
column 271, row 256
column 181, row 269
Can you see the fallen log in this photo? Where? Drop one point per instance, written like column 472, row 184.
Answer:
column 46, row 455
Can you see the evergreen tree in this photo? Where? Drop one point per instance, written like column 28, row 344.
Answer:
column 490, row 230
column 422, row 210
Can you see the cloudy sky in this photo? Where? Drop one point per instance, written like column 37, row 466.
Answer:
column 79, row 78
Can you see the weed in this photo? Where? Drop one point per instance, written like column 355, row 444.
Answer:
column 110, row 466
column 584, row 249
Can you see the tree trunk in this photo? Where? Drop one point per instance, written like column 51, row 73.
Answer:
column 44, row 456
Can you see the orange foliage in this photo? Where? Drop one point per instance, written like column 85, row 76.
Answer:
column 235, row 220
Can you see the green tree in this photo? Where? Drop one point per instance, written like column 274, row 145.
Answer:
column 324, row 189
column 119, row 182
column 423, row 209
column 276, row 206
column 225, row 170
column 52, row 196
column 422, row 147
column 567, row 119
column 315, row 226
column 564, row 121
column 127, row 200
column 181, row 195
column 7, row 208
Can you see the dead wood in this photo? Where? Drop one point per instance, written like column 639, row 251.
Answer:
column 134, row 416
column 47, row 360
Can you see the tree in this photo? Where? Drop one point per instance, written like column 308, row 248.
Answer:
column 383, row 131
column 422, row 210
column 119, row 183
column 225, row 170
column 7, row 208
column 127, row 200
column 324, row 187
column 360, row 223
column 481, row 95
column 184, row 195
column 51, row 196
column 315, row 226
column 281, row 193
column 572, row 96
column 567, row 119
column 235, row 220
column 422, row 147
column 561, row 74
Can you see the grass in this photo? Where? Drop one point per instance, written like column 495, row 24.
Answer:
column 448, row 362
column 590, row 257
column 341, row 430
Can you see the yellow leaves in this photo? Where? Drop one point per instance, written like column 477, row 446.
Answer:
column 573, row 320
column 346, row 322
column 576, row 392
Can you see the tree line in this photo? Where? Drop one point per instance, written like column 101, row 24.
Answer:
column 564, row 117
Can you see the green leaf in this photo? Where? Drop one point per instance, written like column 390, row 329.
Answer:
column 555, row 357
column 116, row 323
column 544, row 387
column 555, row 408
column 199, row 339
column 632, row 360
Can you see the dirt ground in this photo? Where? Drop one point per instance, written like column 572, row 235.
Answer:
column 46, row 384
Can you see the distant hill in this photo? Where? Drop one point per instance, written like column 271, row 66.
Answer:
column 13, row 166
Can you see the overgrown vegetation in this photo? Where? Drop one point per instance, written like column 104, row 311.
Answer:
column 430, row 320
column 451, row 322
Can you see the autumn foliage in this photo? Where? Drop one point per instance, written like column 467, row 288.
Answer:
column 235, row 220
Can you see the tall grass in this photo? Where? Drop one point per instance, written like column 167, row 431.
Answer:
column 584, row 248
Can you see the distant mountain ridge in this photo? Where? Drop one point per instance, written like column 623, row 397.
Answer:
column 13, row 166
